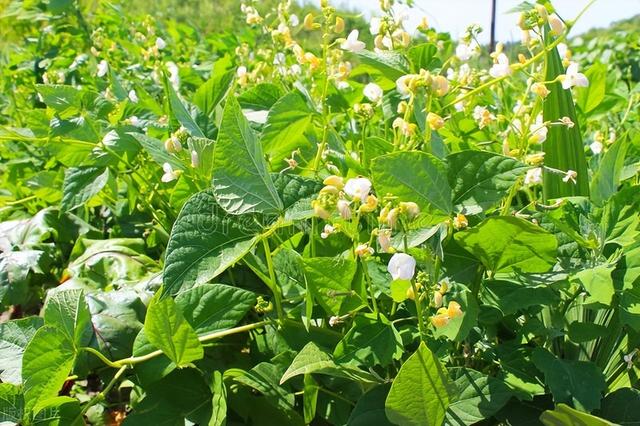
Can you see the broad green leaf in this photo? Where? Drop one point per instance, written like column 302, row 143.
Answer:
column 294, row 188
column 260, row 97
column 389, row 64
column 330, row 278
column 598, row 283
column 14, row 337
column 288, row 120
column 591, row 96
column 369, row 409
column 150, row 371
column 580, row 332
column 183, row 394
column 263, row 378
column 209, row 94
column 370, row 341
column 479, row 397
column 510, row 244
column 310, row 398
column 481, row 179
column 67, row 310
column 241, row 181
column 580, row 383
column 65, row 100
column 58, row 411
column 46, row 363
column 167, row 329
column 512, row 297
column 117, row 317
column 423, row 56
column 621, row 407
column 180, row 112
column 413, row 176
column 311, row 359
column 399, row 290
column 16, row 267
column 204, row 241
column 81, row 184
column 607, row 176
column 419, row 394
column 563, row 148
column 214, row 307
column 11, row 403
column 563, row 415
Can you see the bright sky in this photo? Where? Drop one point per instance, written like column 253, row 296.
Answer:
column 454, row 16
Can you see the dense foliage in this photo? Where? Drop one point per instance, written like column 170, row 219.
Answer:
column 284, row 225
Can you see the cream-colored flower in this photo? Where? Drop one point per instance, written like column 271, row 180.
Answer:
column 352, row 43
column 402, row 266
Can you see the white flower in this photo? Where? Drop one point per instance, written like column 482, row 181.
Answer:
column 501, row 68
column 328, row 230
column 135, row 121
column 169, row 173
column 563, row 49
column 538, row 130
column 241, row 71
column 103, row 68
column 596, row 147
column 363, row 250
column 133, row 96
column 556, row 24
column 533, row 176
column 373, row 92
column 279, row 59
column 342, row 86
column 571, row 175
column 573, row 77
column 465, row 51
column 160, row 43
column 295, row 69
column 384, row 239
column 374, row 25
column 352, row 43
column 174, row 74
column 195, row 159
column 294, row 21
column 401, row 85
column 402, row 266
column 344, row 209
column 358, row 188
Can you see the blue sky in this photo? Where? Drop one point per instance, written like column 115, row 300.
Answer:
column 455, row 15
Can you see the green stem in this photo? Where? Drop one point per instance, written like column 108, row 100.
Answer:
column 99, row 397
column 272, row 277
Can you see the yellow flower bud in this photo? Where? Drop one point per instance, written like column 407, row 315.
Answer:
column 410, row 208
column 454, row 310
column 435, row 121
column 540, row 89
column 542, row 12
column 333, row 180
column 460, row 221
column 339, row 27
column 440, row 85
column 308, row 23
column 370, row 205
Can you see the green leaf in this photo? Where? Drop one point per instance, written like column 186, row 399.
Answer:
column 510, row 244
column 14, row 337
column 68, row 311
column 607, row 176
column 389, row 64
column 563, row 148
column 311, row 359
column 209, row 94
column 621, row 407
column 419, row 394
column 260, row 97
column 399, row 290
column 219, row 400
column 479, row 397
column 369, row 409
column 598, row 283
column 65, row 100
column 179, row 111
column 81, row 184
column 214, row 307
column 371, row 341
column 288, row 120
column 480, row 179
column 166, row 328
column 204, row 241
column 294, row 188
column 58, row 411
column 46, row 364
column 241, row 181
column 11, row 403
column 150, row 371
column 563, row 415
column 423, row 56
column 580, row 332
column 580, row 383
column 263, row 378
column 329, row 279
column 413, row 176
column 591, row 96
